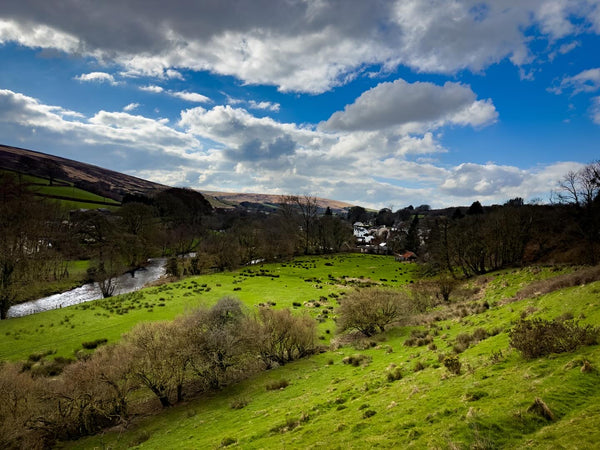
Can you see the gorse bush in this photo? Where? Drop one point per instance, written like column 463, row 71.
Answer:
column 539, row 337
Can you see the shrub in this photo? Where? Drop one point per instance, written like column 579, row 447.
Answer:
column 452, row 363
column 93, row 344
column 370, row 310
column 357, row 360
column 539, row 337
column 394, row 374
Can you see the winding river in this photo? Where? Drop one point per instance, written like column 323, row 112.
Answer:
column 125, row 283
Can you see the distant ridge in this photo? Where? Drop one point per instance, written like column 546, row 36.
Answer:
column 115, row 185
column 238, row 198
column 105, row 182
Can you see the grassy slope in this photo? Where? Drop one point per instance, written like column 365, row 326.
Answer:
column 484, row 407
column 80, row 197
column 65, row 329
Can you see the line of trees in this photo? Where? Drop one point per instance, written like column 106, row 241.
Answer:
column 38, row 237
column 485, row 239
column 198, row 352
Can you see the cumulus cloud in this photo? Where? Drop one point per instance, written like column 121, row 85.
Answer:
column 298, row 46
column 96, row 77
column 119, row 131
column 227, row 148
column 491, row 183
column 393, row 104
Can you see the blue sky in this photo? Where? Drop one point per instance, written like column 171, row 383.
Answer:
column 377, row 103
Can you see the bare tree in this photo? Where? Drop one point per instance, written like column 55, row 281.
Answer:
column 307, row 207
column 160, row 358
column 370, row 310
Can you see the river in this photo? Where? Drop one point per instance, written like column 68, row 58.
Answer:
column 88, row 292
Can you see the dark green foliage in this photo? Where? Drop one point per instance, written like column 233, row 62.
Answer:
column 90, row 345
column 369, row 413
column 172, row 267
column 452, row 363
column 539, row 337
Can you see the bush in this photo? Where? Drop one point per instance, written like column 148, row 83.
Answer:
column 452, row 363
column 394, row 374
column 370, row 310
column 539, row 337
column 93, row 344
column 357, row 360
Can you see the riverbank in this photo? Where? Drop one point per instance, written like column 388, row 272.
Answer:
column 128, row 282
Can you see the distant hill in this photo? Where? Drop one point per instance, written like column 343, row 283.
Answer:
column 115, row 185
column 103, row 182
column 264, row 202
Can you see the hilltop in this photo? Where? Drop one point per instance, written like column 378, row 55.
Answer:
column 115, row 185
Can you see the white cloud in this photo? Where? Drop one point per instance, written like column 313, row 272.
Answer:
column 299, row 46
column 491, row 183
column 131, row 107
column 190, row 96
column 37, row 35
column 115, row 130
column 398, row 103
column 269, row 106
column 585, row 81
column 97, row 77
column 152, row 88
column 227, row 148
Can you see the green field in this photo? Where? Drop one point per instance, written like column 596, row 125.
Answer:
column 300, row 281
column 330, row 404
column 77, row 198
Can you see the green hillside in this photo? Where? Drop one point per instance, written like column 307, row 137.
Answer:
column 393, row 390
column 330, row 404
column 301, row 281
column 70, row 196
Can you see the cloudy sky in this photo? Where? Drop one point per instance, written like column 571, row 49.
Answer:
column 377, row 103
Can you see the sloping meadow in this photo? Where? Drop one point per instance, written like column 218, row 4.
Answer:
column 310, row 284
column 449, row 380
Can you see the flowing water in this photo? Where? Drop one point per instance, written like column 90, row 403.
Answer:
column 125, row 283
